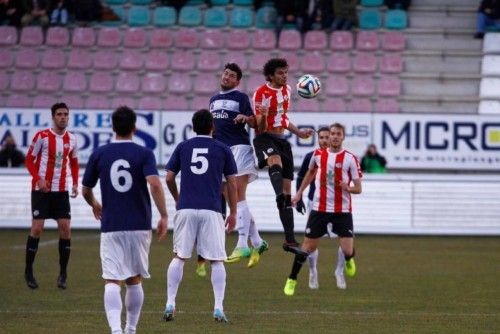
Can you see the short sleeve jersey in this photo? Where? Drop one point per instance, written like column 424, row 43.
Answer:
column 278, row 101
column 122, row 168
column 202, row 161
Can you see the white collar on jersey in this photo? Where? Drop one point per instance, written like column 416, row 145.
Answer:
column 56, row 134
column 117, row 141
column 204, row 136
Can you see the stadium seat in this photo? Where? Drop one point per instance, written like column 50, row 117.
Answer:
column 131, row 60
column 74, row 101
column 53, row 59
column 253, row 82
column 391, row 63
column 18, row 101
column 57, row 36
column 389, row 86
column 263, row 39
column 127, row 82
column 489, row 107
column 241, row 17
column 337, row 85
column 154, row 83
column 312, row 62
column 97, row 102
column 315, row 40
column 138, row 16
column 134, row 38
column 364, row 62
column 190, row 16
column 393, row 41
column 265, row 18
column 206, row 84
column 109, row 37
column 199, row 102
column 48, row 82
column 212, row 39
column 31, row 36
column 141, row 2
column 386, row 105
column 75, row 82
column 257, row 61
column 186, row 38
column 6, row 58
column 22, row 81
column 341, row 41
column 182, row 61
column 215, row 17
column 8, row 35
column 156, row 60
column 105, row 60
column 161, row 39
column 491, row 43
column 367, row 41
column 306, row 105
column 79, row 59
column 43, row 101
column 83, row 37
column 395, row 19
column 220, row 2
column 195, row 2
column 176, row 102
column 179, row 83
column 101, row 82
column 370, row 19
column 208, row 61
column 123, row 100
column 164, row 16
column 333, row 105
column 372, row 3
column 489, row 88
column 362, row 85
column 339, row 62
column 27, row 58
column 292, row 59
column 150, row 103
column 290, row 40
column 360, row 105
column 238, row 40
column 119, row 11
column 491, row 65
column 242, row 2
column 237, row 57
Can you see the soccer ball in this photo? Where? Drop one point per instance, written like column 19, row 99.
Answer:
column 308, row 86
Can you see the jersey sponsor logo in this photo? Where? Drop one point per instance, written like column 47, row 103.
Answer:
column 220, row 114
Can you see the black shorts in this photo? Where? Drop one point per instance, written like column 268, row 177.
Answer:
column 318, row 221
column 54, row 204
column 267, row 144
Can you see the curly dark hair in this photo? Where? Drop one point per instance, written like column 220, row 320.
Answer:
column 272, row 65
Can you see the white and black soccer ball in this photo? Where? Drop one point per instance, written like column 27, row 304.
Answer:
column 308, row 86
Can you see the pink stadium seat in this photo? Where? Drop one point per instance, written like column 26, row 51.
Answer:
column 97, row 102
column 264, row 39
column 179, row 83
column 31, row 36
column 389, row 86
column 315, row 40
column 109, row 37
column 292, row 59
column 154, row 83
column 53, row 59
column 150, row 103
column 334, row 105
column 312, row 62
column 199, row 102
column 391, row 63
column 6, row 58
column 339, row 62
column 127, row 82
column 238, row 39
column 386, row 105
column 156, row 60
column 101, row 82
column 365, row 62
column 360, row 105
column 257, row 60
column 43, row 101
column 367, row 41
column 176, row 102
column 119, row 101
column 186, row 38
column 8, row 35
column 337, row 85
column 254, row 82
column 206, row 84
column 22, row 81
column 393, row 41
column 74, row 101
column 79, row 59
column 57, row 36
column 161, row 39
column 306, row 105
column 48, row 82
column 208, row 61
column 18, row 101
column 182, row 61
column 131, row 60
column 75, row 82
column 4, row 80
column 83, row 37
column 290, row 40
column 212, row 39
column 134, row 38
column 362, row 85
column 237, row 57
column 105, row 60
column 27, row 58
column 341, row 41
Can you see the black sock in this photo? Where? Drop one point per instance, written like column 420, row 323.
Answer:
column 64, row 251
column 348, row 257
column 276, row 176
column 31, row 249
column 286, row 217
column 298, row 261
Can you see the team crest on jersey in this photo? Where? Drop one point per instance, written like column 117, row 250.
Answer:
column 66, row 145
column 338, row 165
column 36, row 213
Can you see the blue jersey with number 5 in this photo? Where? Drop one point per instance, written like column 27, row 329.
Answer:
column 202, row 161
column 122, row 168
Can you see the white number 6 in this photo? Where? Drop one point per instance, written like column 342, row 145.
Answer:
column 198, row 158
column 121, row 179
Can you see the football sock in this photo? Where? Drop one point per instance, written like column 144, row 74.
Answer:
column 286, row 217
column 113, row 306
column 174, row 278
column 134, row 298
column 218, row 283
column 276, row 176
column 340, row 262
column 255, row 238
column 64, row 251
column 298, row 261
column 312, row 260
column 243, row 224
column 31, row 249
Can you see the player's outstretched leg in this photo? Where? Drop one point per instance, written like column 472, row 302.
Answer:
column 31, row 249
column 291, row 282
column 256, row 252
column 64, row 252
column 350, row 265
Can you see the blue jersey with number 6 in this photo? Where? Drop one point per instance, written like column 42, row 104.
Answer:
column 202, row 161
column 122, row 167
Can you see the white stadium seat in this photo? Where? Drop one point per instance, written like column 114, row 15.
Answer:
column 491, row 43
column 490, row 88
column 491, row 65
column 489, row 107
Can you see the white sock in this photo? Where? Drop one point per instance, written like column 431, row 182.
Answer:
column 134, row 298
column 174, row 278
column 312, row 259
column 254, row 233
column 243, row 223
column 113, row 306
column 340, row 262
column 218, row 283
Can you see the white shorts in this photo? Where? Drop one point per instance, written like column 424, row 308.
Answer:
column 245, row 161
column 205, row 228
column 125, row 254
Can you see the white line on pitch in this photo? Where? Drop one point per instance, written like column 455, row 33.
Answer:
column 56, row 241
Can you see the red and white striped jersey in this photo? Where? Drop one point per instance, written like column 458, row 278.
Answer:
column 278, row 101
column 50, row 157
column 333, row 168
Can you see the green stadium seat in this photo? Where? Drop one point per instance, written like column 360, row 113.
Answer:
column 243, row 2
column 220, row 2
column 116, row 2
column 138, row 16
column 190, row 16
column 267, row 3
column 215, row 17
column 195, row 2
column 396, row 19
column 265, row 18
column 370, row 19
column 141, row 2
column 372, row 3
column 164, row 16
column 241, row 17
column 120, row 12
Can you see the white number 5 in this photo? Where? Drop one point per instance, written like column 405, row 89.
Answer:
column 196, row 158
column 121, row 179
